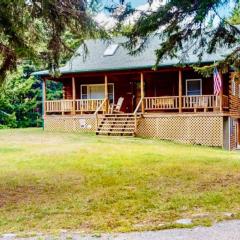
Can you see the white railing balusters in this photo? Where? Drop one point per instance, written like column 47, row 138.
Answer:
column 204, row 101
column 158, row 103
column 66, row 105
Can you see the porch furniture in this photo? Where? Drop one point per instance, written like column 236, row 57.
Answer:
column 116, row 108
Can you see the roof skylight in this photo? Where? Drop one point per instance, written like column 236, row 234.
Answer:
column 111, row 49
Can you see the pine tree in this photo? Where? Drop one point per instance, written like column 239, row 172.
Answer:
column 235, row 19
column 27, row 27
column 20, row 101
column 184, row 26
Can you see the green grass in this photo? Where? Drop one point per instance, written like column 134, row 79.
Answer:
column 52, row 181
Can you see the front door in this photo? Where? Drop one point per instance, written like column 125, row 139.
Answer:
column 96, row 92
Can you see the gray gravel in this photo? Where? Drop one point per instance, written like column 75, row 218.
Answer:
column 227, row 230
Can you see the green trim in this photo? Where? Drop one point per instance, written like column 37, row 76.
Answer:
column 112, row 69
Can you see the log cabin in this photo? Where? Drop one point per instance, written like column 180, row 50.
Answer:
column 111, row 92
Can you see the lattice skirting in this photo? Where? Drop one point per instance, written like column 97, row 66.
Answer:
column 86, row 123
column 204, row 130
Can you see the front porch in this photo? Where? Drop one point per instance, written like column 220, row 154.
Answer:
column 166, row 91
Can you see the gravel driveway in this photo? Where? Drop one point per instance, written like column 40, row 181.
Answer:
column 227, row 230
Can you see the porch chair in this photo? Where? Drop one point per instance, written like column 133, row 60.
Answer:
column 116, row 108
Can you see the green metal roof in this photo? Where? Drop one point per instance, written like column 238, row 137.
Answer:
column 96, row 61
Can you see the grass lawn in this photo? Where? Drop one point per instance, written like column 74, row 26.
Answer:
column 52, row 181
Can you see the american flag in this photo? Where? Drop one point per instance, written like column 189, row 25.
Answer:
column 217, row 82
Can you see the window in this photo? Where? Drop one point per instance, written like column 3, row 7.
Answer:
column 84, row 92
column 110, row 93
column 193, row 87
column 111, row 50
column 97, row 91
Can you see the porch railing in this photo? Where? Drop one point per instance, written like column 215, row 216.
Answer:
column 204, row 101
column 81, row 105
column 158, row 103
column 59, row 106
column 149, row 104
column 89, row 105
column 188, row 102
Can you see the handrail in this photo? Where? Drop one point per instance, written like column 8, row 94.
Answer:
column 100, row 106
column 135, row 115
column 98, row 109
column 139, row 104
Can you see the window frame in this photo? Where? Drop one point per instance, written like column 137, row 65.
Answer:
column 111, row 50
column 239, row 90
column 233, row 87
column 192, row 80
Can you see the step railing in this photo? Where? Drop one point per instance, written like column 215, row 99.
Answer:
column 102, row 107
column 136, row 113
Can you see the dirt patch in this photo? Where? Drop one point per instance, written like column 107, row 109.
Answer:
column 9, row 196
column 223, row 181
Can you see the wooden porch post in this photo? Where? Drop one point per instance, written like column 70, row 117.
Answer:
column 106, row 91
column 180, row 89
column 74, row 95
column 142, row 92
column 44, row 96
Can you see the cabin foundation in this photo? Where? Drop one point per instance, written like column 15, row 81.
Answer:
column 81, row 124
column 200, row 129
column 207, row 130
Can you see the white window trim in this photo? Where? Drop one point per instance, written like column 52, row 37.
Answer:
column 100, row 84
column 233, row 87
column 191, row 80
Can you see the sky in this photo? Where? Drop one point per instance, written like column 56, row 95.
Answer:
column 223, row 11
column 136, row 3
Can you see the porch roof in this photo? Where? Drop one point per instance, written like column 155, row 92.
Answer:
column 95, row 60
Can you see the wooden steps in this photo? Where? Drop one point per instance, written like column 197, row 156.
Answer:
column 117, row 125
